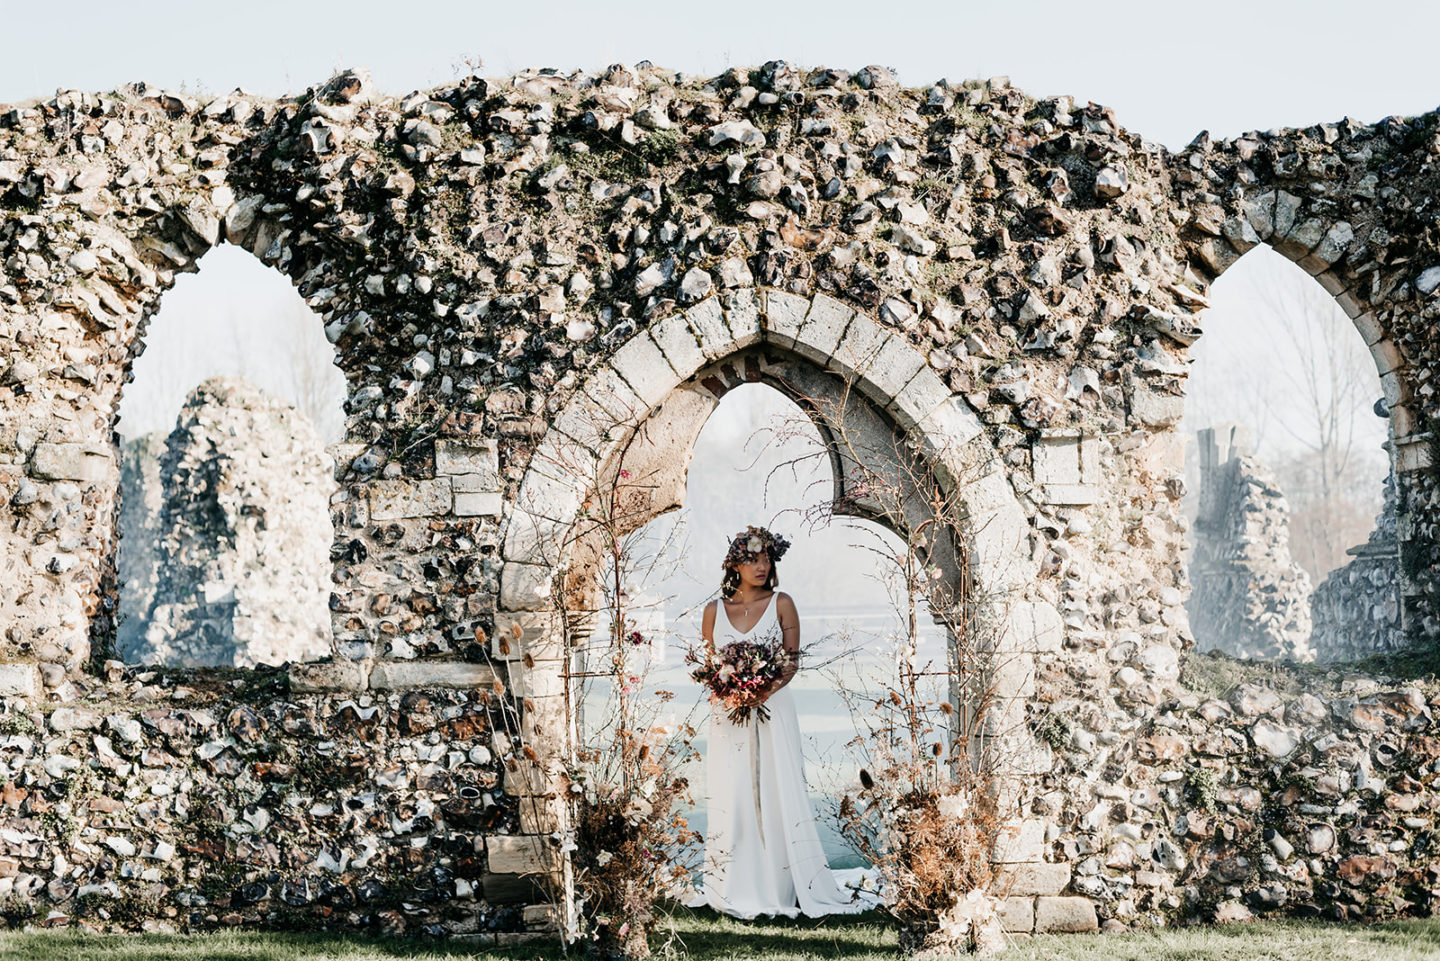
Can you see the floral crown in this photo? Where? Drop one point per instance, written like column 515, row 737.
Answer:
column 751, row 542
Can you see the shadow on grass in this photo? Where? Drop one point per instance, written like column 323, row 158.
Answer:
column 700, row 934
column 70, row 945
column 706, row 935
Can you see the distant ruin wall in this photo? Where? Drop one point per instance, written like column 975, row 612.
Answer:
column 142, row 497
column 242, row 538
column 1248, row 598
column 1356, row 609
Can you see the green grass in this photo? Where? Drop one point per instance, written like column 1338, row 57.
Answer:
column 704, row 936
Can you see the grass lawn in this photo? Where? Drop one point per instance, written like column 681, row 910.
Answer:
column 702, row 935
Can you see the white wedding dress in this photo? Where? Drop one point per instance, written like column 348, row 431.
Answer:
column 762, row 851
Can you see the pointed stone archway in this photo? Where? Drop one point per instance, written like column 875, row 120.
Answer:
column 644, row 409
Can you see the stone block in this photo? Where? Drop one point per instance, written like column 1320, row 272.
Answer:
column 478, row 503
column 400, row 498
column 409, row 675
column 1370, row 328
column 1260, row 213
column 1155, row 409
column 1287, row 212
column 1350, row 304
column 475, row 458
column 1065, row 915
column 645, row 369
column 1019, row 842
column 707, row 320
column 541, row 815
column 1331, row 281
column 952, row 424
column 614, row 396
column 333, row 676
column 474, row 484
column 533, row 540
column 533, row 778
column 859, row 348
column 525, row 587
column 1033, row 879
column 525, row 854
column 1014, row 674
column 784, row 314
column 544, row 679
column 1387, row 356
column 918, row 399
column 543, row 723
column 1069, row 495
column 895, row 365
column 540, row 917
column 1412, row 454
column 535, row 633
column 590, row 427
column 512, row 889
column 76, row 462
column 742, row 314
column 824, row 326
column 1390, row 387
column 1017, row 915
column 19, row 680
column 1033, row 626
column 679, row 344
column 1055, row 457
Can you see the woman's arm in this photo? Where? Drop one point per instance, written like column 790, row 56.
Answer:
column 707, row 626
column 789, row 620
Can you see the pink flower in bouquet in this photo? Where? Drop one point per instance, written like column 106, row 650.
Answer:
column 736, row 672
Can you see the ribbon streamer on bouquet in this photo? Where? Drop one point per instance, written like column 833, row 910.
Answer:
column 755, row 775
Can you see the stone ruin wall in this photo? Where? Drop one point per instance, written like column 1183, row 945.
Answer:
column 1249, row 598
column 1356, row 609
column 1016, row 280
column 230, row 527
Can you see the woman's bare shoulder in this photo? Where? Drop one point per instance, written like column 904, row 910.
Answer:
column 784, row 600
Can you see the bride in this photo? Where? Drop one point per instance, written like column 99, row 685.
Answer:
column 762, row 851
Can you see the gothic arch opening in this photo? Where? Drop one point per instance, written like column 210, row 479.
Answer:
column 637, row 418
column 224, row 510
column 1290, row 474
column 759, row 459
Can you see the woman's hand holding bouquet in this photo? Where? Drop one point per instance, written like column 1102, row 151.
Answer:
column 740, row 675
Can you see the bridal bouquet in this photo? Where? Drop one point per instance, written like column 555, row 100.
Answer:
column 735, row 672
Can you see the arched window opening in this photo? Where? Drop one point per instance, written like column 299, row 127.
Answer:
column 759, row 460
column 1290, row 485
column 224, row 515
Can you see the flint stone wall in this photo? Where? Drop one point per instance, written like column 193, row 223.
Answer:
column 242, row 540
column 1249, row 598
column 138, row 563
column 1017, row 280
column 1356, row 609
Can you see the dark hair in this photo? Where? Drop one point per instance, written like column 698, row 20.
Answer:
column 746, row 546
column 730, row 581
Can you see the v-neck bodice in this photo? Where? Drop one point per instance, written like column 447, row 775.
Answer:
column 733, row 633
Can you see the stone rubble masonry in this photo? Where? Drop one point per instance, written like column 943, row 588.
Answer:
column 1357, row 610
column 142, row 498
column 514, row 272
column 1250, row 599
column 239, row 545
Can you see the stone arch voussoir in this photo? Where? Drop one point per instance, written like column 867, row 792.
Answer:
column 594, row 427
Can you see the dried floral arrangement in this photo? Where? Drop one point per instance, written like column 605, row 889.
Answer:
column 737, row 672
